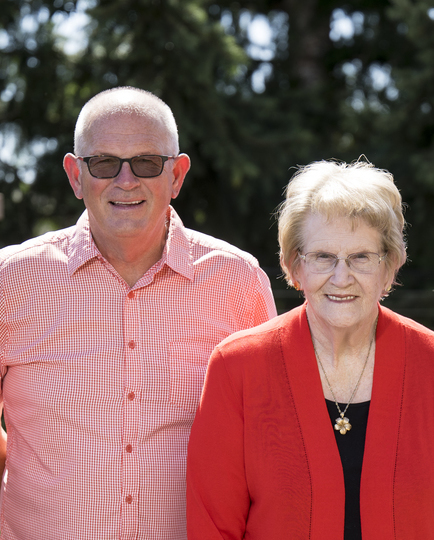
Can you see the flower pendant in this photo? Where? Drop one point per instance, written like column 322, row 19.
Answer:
column 342, row 424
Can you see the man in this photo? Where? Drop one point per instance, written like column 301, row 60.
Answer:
column 105, row 333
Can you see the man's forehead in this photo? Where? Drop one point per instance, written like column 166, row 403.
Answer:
column 135, row 118
column 128, row 130
column 124, row 123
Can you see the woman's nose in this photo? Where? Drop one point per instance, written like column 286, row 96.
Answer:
column 342, row 273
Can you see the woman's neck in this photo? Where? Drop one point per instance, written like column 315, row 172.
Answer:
column 336, row 344
column 347, row 355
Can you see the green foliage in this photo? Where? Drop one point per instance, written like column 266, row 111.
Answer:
column 324, row 94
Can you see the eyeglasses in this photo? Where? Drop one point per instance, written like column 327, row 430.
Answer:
column 110, row 166
column 320, row 262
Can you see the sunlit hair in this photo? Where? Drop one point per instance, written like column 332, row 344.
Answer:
column 125, row 100
column 335, row 189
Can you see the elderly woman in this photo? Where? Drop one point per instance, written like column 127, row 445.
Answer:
column 319, row 424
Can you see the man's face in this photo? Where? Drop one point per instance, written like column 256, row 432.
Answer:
column 127, row 207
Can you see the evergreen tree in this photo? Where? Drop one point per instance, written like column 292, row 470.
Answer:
column 338, row 79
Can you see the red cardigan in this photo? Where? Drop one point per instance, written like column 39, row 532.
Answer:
column 263, row 461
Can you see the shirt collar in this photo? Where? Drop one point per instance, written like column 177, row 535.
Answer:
column 177, row 252
column 178, row 249
column 81, row 248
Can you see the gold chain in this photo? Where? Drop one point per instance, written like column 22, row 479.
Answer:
column 342, row 423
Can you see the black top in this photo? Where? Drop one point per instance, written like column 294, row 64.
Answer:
column 351, row 448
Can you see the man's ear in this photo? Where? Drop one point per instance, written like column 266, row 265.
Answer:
column 72, row 169
column 180, row 169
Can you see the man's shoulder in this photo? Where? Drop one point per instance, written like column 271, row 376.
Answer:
column 203, row 244
column 47, row 243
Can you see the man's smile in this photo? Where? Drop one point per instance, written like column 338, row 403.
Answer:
column 126, row 203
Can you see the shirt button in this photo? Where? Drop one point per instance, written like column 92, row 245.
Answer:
column 129, row 448
column 131, row 294
column 128, row 499
column 132, row 344
column 131, row 396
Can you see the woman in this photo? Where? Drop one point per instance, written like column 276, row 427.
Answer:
column 292, row 408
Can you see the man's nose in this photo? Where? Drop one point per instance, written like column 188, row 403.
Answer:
column 126, row 178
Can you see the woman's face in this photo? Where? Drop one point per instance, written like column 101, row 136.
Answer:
column 341, row 298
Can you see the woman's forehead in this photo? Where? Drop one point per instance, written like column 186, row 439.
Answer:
column 339, row 233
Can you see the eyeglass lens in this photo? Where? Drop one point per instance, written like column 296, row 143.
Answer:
column 110, row 166
column 326, row 262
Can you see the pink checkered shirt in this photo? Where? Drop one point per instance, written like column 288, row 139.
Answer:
column 100, row 382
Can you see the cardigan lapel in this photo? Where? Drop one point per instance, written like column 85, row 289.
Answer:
column 328, row 491
column 376, row 493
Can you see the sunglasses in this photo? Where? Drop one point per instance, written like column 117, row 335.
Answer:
column 110, row 166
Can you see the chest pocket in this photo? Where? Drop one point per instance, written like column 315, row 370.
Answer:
column 188, row 361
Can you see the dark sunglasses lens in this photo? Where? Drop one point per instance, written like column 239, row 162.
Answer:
column 147, row 166
column 142, row 166
column 104, row 167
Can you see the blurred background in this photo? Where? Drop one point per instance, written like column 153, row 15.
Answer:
column 257, row 88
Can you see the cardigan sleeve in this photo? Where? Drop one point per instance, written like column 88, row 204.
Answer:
column 218, row 499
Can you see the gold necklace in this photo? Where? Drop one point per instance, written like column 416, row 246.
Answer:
column 342, row 423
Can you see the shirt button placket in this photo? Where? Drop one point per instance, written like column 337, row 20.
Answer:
column 131, row 416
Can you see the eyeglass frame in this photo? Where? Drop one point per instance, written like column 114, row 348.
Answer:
column 347, row 259
column 86, row 160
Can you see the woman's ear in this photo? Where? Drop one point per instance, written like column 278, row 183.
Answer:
column 292, row 272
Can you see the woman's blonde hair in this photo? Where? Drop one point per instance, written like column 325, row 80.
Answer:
column 333, row 189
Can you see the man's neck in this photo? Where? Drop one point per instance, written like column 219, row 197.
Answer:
column 130, row 259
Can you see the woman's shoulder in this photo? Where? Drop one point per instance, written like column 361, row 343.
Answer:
column 265, row 331
column 260, row 339
column 412, row 329
column 253, row 357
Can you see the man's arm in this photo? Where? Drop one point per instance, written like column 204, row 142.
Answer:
column 263, row 306
column 3, row 444
column 3, row 334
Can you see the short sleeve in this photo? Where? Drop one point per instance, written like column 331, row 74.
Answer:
column 263, row 306
column 3, row 335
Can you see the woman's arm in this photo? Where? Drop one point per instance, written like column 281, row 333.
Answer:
column 218, row 500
